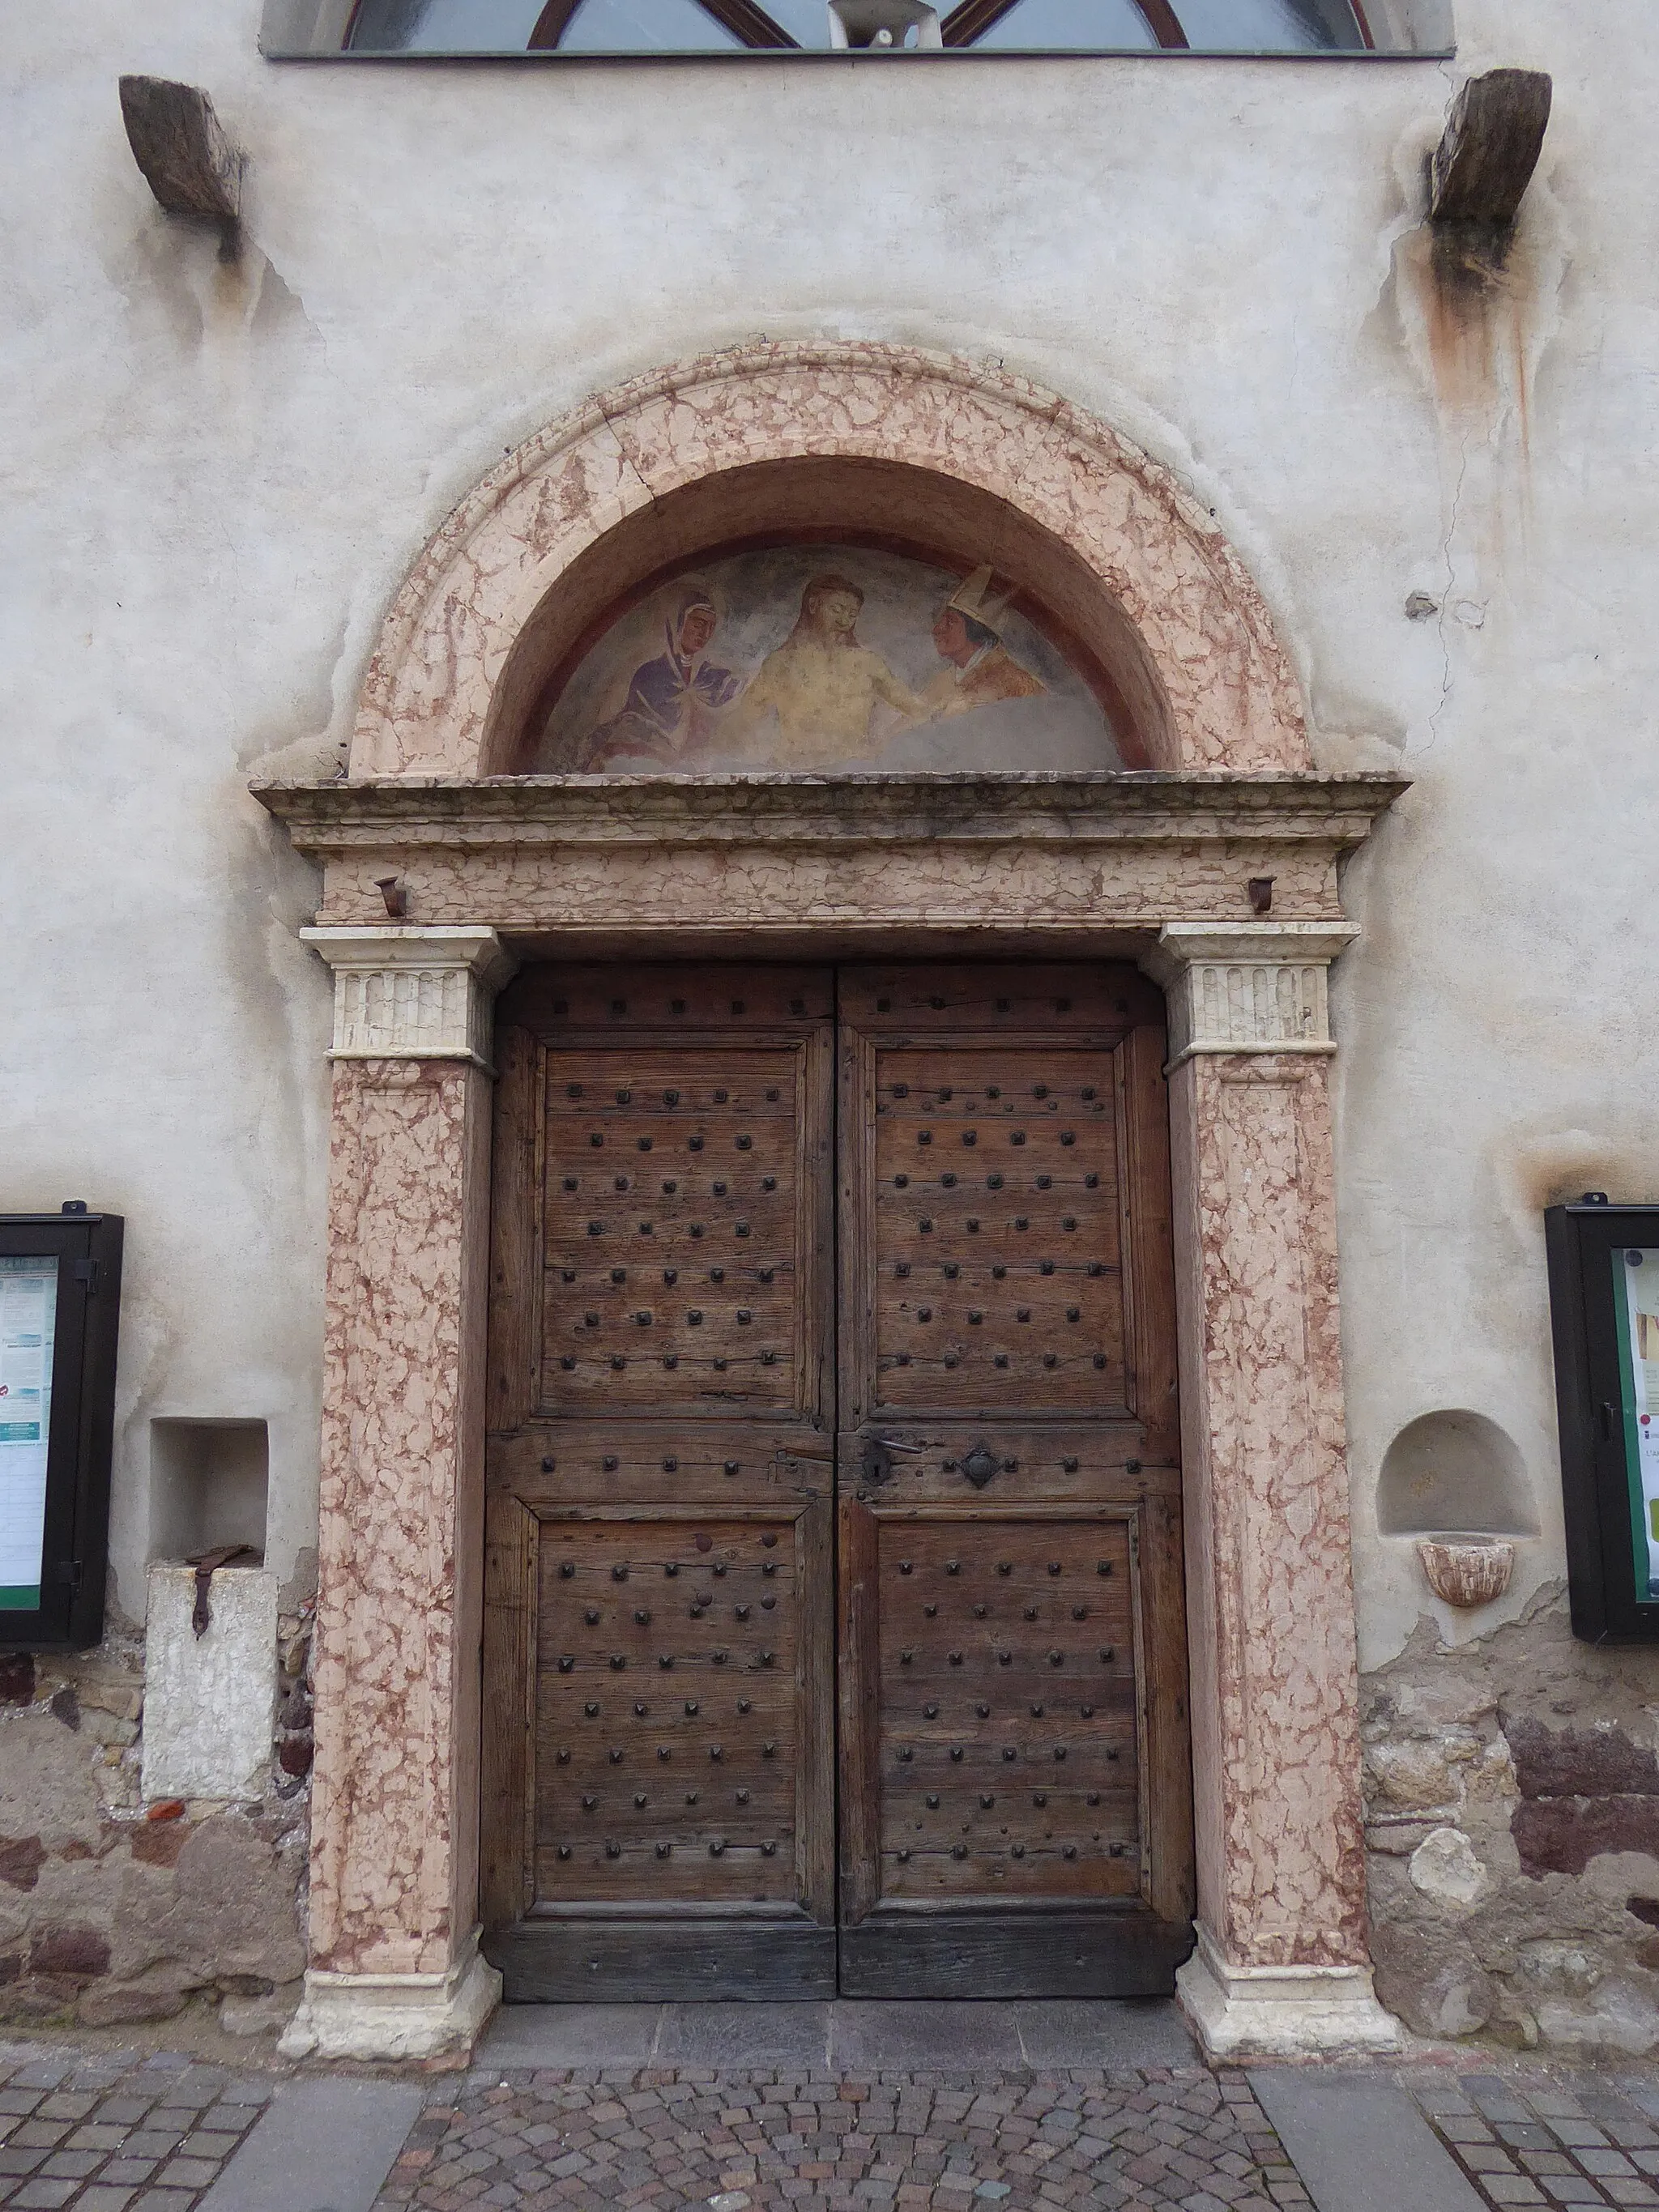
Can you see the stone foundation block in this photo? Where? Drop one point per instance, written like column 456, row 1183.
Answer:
column 210, row 1700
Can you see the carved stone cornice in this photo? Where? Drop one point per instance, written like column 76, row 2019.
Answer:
column 764, row 851
column 335, row 816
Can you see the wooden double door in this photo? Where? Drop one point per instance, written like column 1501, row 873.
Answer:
column 834, row 1618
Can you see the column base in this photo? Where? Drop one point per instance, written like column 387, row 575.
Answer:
column 380, row 2016
column 1282, row 2012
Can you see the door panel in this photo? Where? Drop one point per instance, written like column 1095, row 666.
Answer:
column 999, row 1213
column 666, row 1720
column 659, row 1756
column 671, row 1553
column 1007, row 1467
column 1007, row 1727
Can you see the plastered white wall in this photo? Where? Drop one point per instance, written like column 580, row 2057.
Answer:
column 215, row 478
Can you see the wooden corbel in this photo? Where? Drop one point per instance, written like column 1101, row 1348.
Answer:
column 1492, row 139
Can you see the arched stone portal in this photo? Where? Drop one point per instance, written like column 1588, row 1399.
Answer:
column 1215, row 867
column 768, row 438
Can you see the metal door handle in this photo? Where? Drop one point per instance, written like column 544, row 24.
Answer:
column 878, row 1457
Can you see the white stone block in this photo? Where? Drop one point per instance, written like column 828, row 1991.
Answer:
column 209, row 1700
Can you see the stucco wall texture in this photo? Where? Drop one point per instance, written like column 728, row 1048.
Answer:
column 216, row 475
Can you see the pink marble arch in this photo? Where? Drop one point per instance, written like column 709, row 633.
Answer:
column 710, row 451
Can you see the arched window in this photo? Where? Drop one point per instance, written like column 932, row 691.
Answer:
column 713, row 27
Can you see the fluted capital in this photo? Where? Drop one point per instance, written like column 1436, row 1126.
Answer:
column 1247, row 986
column 412, row 993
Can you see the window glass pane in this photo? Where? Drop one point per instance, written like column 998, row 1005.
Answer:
column 807, row 21
column 444, row 27
column 1062, row 23
column 645, row 27
column 694, row 27
column 1268, row 26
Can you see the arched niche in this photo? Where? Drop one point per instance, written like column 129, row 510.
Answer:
column 1455, row 1471
column 880, row 444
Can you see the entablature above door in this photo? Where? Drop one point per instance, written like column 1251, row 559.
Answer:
column 570, row 860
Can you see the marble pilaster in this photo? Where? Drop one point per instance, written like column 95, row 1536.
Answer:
column 394, row 1965
column 1282, row 1965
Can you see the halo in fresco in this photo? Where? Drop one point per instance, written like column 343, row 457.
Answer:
column 823, row 657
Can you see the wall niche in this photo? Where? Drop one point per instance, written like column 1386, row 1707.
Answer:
column 1454, row 1472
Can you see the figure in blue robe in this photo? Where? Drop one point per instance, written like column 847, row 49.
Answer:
column 674, row 701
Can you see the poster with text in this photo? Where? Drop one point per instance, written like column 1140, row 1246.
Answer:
column 29, row 1305
column 1636, row 1298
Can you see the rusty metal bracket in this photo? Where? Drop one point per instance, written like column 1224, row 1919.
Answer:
column 207, row 1565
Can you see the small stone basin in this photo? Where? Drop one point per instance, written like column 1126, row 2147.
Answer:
column 1466, row 1569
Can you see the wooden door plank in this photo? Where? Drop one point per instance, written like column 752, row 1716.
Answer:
column 1170, row 1884
column 508, row 1771
column 860, row 1667
column 1119, row 1949
column 1143, row 1122
column 548, row 1962
column 815, row 1819
column 514, row 1240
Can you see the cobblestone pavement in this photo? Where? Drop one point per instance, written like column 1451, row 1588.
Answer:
column 657, row 2137
column 117, row 2134
column 1521, row 2144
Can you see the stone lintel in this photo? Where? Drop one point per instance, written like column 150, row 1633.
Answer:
column 569, row 857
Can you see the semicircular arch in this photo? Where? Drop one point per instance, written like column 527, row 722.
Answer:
column 1094, row 533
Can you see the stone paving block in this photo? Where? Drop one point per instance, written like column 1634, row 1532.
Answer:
column 101, row 2136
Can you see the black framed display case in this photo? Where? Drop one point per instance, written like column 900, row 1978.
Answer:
column 1604, row 1304
column 60, row 1297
